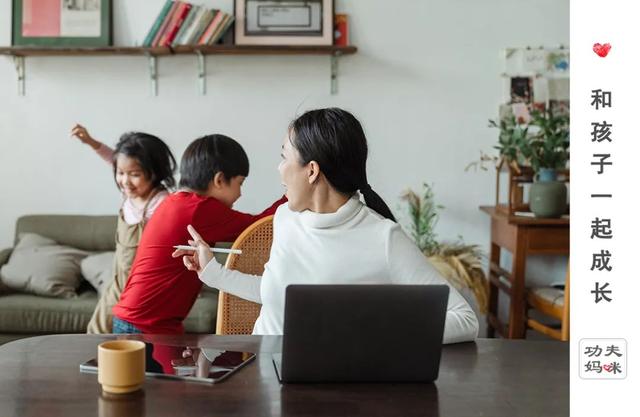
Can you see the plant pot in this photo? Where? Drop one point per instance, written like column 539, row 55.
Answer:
column 547, row 196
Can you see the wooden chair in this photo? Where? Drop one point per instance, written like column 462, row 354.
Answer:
column 553, row 302
column 235, row 315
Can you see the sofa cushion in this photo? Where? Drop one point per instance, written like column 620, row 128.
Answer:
column 40, row 266
column 90, row 233
column 32, row 314
column 98, row 269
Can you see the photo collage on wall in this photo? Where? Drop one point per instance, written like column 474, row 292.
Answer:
column 537, row 79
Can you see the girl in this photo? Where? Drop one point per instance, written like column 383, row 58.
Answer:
column 160, row 292
column 143, row 168
column 325, row 234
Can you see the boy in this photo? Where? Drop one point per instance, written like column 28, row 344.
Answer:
column 160, row 291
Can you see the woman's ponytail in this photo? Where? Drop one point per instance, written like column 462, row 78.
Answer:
column 376, row 203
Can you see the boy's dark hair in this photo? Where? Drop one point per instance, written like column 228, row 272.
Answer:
column 153, row 155
column 335, row 139
column 208, row 155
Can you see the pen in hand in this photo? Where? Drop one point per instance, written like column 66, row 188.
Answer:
column 218, row 250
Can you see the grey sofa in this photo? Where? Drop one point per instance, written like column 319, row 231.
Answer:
column 24, row 315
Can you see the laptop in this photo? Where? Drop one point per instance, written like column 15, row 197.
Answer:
column 362, row 333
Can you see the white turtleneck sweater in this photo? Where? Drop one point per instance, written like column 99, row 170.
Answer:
column 354, row 245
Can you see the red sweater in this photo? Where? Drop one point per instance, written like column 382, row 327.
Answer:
column 160, row 291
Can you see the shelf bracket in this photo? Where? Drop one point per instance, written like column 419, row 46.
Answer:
column 153, row 73
column 334, row 73
column 19, row 63
column 202, row 73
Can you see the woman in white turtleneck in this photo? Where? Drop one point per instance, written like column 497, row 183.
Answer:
column 325, row 234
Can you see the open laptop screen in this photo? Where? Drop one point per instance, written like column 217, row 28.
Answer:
column 350, row 333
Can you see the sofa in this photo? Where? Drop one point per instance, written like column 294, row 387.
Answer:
column 24, row 315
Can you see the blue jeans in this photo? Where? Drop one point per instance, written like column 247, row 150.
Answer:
column 124, row 327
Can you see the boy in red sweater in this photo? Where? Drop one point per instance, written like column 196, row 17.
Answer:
column 160, row 291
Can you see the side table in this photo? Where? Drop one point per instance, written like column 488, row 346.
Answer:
column 522, row 236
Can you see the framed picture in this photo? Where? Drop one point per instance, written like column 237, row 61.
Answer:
column 284, row 22
column 559, row 107
column 521, row 89
column 558, row 61
column 59, row 23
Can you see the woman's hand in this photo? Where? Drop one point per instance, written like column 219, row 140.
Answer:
column 195, row 260
column 83, row 135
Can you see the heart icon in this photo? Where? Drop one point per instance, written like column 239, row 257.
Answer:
column 601, row 50
column 607, row 368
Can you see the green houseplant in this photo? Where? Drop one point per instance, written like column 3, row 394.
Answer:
column 513, row 141
column 513, row 145
column 548, row 152
column 541, row 143
column 459, row 263
column 549, row 145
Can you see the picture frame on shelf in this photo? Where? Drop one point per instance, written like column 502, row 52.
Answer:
column 284, row 22
column 62, row 23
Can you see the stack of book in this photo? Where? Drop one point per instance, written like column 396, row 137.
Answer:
column 182, row 23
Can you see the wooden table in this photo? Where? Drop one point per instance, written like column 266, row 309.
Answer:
column 522, row 236
column 493, row 377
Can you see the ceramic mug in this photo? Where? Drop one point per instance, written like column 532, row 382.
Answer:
column 121, row 365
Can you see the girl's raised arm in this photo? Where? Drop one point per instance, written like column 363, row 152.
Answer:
column 101, row 149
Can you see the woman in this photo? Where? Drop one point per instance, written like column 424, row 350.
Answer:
column 325, row 234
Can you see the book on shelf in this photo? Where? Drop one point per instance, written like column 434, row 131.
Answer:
column 148, row 40
column 208, row 30
column 183, row 23
column 176, row 22
column 193, row 26
column 211, row 28
column 224, row 26
column 202, row 26
column 165, row 22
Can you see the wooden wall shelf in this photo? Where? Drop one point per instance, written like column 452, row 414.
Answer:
column 200, row 51
column 185, row 49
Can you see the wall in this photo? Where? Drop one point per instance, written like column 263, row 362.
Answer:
column 423, row 83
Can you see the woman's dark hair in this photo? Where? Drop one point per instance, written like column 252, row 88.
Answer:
column 207, row 156
column 335, row 140
column 153, row 155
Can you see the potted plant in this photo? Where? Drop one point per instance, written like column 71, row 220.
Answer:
column 541, row 143
column 512, row 145
column 548, row 152
column 459, row 263
column 513, row 141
